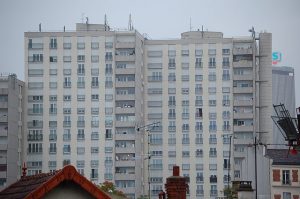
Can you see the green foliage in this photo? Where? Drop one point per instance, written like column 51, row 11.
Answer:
column 229, row 192
column 110, row 188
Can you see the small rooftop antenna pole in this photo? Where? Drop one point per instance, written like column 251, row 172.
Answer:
column 202, row 31
column 40, row 27
column 105, row 22
column 190, row 23
column 87, row 20
column 130, row 23
column 64, row 28
column 82, row 17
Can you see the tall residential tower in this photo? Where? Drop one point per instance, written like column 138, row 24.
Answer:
column 89, row 90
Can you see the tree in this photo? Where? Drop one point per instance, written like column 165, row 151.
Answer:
column 110, row 189
column 230, row 193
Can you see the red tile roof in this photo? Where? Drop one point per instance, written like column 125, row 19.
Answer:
column 37, row 186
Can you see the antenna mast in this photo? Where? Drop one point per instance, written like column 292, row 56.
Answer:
column 130, row 27
column 190, row 23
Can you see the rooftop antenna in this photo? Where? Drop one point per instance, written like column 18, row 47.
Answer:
column 87, row 20
column 40, row 27
column 190, row 23
column 105, row 23
column 130, row 26
column 82, row 17
column 64, row 28
column 202, row 31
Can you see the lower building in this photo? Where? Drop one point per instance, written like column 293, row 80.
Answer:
column 284, row 174
column 11, row 117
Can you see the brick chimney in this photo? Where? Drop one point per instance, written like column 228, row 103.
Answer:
column 176, row 185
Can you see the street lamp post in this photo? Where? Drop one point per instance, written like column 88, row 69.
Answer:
column 148, row 129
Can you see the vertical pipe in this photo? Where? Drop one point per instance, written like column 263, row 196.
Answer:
column 255, row 145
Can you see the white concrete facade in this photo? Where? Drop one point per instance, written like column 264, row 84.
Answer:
column 201, row 88
column 11, row 129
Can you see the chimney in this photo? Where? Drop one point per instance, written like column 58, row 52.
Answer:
column 176, row 185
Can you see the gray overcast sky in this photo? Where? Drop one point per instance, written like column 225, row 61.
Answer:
column 158, row 18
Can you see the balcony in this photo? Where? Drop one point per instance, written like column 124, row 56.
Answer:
column 124, row 136
column 245, row 141
column 243, row 128
column 125, row 97
column 120, row 110
column 242, row 115
column 125, row 84
column 52, row 110
column 243, row 103
column 125, row 163
column 34, row 46
column 242, row 89
column 155, row 78
column 242, row 64
column 239, row 154
column 35, row 124
column 243, row 77
column 125, row 45
column 32, row 111
column 125, row 124
column 125, row 71
column 129, row 58
column 242, row 51
column 125, row 176
column 125, row 150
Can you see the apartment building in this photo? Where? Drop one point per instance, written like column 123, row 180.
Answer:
column 11, row 128
column 89, row 90
column 284, row 179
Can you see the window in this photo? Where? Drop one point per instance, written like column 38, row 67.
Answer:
column 80, row 45
column 95, row 45
column 67, row 149
column 95, row 82
column 80, row 58
column 95, row 97
column 67, row 82
column 225, row 51
column 80, row 69
column 53, row 58
column 286, row 195
column 212, row 152
column 95, row 58
column 80, row 134
column 226, row 75
column 212, row 62
column 286, row 177
column 108, row 56
column 108, row 134
column 67, row 97
column 212, row 125
column 172, row 63
column 53, row 43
